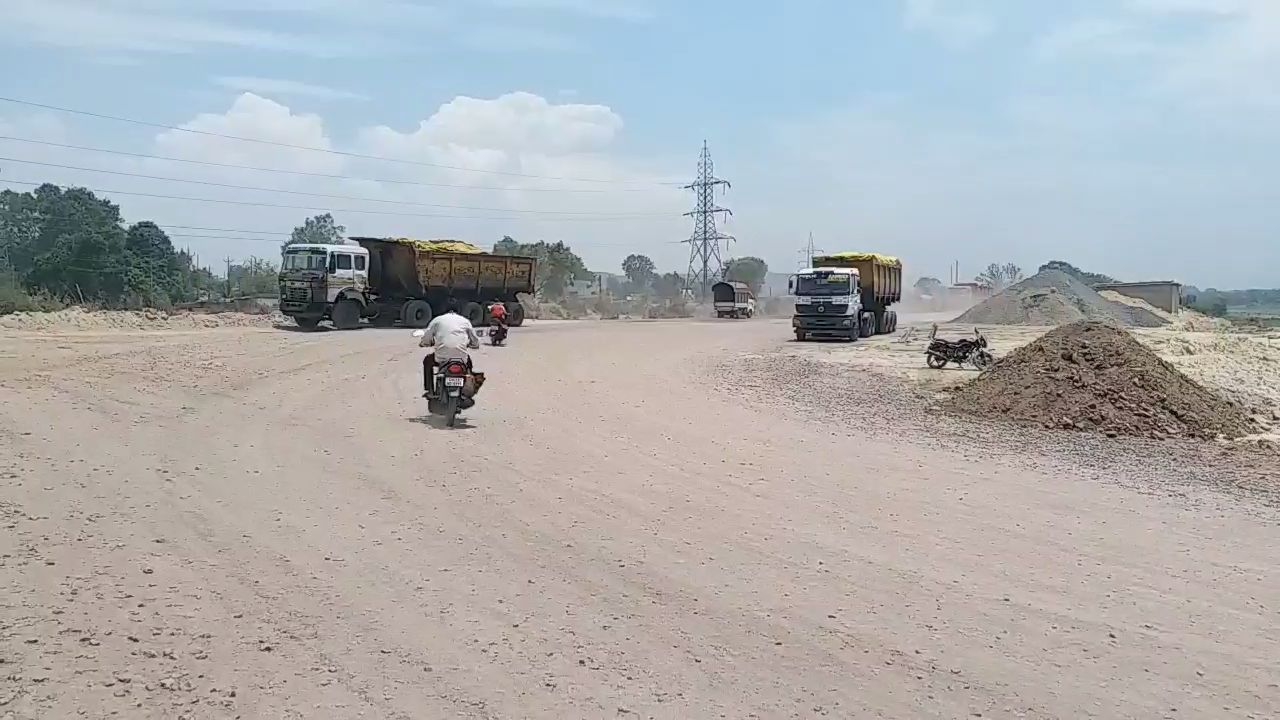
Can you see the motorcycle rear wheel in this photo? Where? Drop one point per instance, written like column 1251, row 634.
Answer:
column 937, row 362
column 451, row 411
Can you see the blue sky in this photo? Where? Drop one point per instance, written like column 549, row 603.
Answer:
column 1133, row 137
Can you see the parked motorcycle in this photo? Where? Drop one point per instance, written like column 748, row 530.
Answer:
column 454, row 388
column 968, row 351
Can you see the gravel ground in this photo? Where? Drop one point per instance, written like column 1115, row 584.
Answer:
column 648, row 519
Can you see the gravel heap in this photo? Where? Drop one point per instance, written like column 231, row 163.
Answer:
column 77, row 318
column 1053, row 297
column 1095, row 377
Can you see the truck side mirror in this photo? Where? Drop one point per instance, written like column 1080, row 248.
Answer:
column 333, row 265
column 791, row 284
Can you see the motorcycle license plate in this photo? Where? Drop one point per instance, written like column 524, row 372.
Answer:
column 454, row 382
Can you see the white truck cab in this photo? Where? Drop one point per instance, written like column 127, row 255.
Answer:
column 315, row 279
column 828, row 303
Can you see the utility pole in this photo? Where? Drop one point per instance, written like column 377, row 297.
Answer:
column 228, row 261
column 704, row 245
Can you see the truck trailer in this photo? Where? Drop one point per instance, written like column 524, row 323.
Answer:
column 399, row 280
column 846, row 295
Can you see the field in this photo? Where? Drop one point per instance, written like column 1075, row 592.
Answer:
column 666, row 519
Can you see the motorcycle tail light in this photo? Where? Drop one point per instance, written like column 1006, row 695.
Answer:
column 456, row 370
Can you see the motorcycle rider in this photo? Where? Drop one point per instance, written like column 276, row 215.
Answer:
column 498, row 311
column 451, row 335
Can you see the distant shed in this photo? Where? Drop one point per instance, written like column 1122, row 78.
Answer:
column 1162, row 294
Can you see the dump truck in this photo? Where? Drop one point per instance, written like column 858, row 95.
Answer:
column 732, row 299
column 399, row 280
column 846, row 295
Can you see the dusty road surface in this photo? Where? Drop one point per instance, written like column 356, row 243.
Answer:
column 257, row 523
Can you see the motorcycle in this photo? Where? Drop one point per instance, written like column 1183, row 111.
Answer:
column 969, row 351
column 497, row 334
column 454, row 388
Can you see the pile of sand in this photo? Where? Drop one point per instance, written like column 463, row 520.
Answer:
column 1244, row 368
column 1095, row 377
column 77, row 318
column 1053, row 297
column 1185, row 319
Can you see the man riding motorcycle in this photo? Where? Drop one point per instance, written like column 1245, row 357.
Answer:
column 451, row 335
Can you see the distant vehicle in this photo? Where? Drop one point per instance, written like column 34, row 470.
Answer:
column 846, row 295
column 733, row 299
column 398, row 280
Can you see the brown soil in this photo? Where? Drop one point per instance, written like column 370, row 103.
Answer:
column 1092, row 376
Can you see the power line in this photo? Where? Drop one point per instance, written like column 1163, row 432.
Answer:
column 230, row 230
column 255, row 188
column 304, row 173
column 318, row 207
column 330, row 151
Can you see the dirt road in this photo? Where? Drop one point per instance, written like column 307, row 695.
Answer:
column 257, row 523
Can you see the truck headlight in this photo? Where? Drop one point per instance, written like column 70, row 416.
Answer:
column 795, row 322
column 847, row 322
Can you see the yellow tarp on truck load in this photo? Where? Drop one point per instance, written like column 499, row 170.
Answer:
column 451, row 246
column 858, row 257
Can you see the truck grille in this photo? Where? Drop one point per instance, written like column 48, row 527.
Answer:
column 297, row 294
column 828, row 309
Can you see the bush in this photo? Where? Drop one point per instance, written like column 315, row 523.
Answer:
column 14, row 299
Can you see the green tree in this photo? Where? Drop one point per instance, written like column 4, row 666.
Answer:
column 318, row 230
column 669, row 286
column 749, row 270
column 153, row 276
column 254, row 277
column 998, row 277
column 557, row 264
column 79, row 249
column 640, row 270
column 1087, row 278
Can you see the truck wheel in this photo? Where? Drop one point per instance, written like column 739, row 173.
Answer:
column 474, row 312
column 867, row 325
column 515, row 314
column 307, row 323
column 801, row 336
column 346, row 314
column 416, row 314
column 893, row 321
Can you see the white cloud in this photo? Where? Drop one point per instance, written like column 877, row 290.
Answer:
column 605, row 9
column 952, row 21
column 279, row 87
column 518, row 133
column 1209, row 54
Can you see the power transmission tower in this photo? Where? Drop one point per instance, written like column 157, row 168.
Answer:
column 704, row 245
column 807, row 253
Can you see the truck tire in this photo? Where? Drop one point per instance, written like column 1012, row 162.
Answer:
column 515, row 314
column 893, row 321
column 801, row 336
column 882, row 323
column 474, row 312
column 346, row 315
column 867, row 325
column 416, row 314
column 307, row 323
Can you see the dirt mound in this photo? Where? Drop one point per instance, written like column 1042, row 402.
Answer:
column 1095, row 377
column 77, row 318
column 1053, row 297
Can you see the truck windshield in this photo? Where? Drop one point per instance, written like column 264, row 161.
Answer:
column 823, row 285
column 305, row 260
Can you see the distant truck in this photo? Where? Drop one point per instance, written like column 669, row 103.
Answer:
column 398, row 280
column 846, row 295
column 733, row 299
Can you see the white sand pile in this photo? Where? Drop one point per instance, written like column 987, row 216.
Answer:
column 1243, row 368
column 1184, row 320
column 77, row 318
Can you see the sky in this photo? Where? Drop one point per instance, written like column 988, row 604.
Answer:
column 1138, row 138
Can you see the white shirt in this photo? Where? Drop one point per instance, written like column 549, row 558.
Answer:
column 451, row 334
